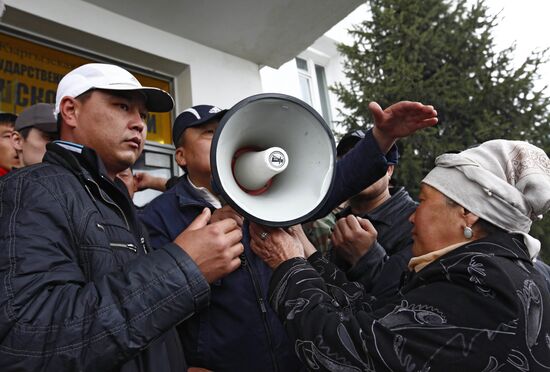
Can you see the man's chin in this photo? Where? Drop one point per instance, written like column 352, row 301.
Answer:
column 127, row 161
column 132, row 156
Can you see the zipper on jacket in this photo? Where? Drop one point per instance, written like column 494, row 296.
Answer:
column 263, row 309
column 129, row 246
column 243, row 259
column 142, row 240
column 89, row 192
column 111, row 203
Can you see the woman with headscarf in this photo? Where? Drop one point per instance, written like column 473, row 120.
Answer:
column 473, row 300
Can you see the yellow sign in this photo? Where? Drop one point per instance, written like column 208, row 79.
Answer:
column 29, row 73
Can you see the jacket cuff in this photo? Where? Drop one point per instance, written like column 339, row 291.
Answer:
column 198, row 285
column 391, row 157
column 314, row 257
column 368, row 263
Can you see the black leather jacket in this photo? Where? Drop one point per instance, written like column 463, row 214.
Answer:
column 80, row 289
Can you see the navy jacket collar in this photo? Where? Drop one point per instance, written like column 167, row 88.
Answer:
column 385, row 213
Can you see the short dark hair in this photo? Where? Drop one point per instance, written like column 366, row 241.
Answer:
column 7, row 119
column 25, row 132
column 51, row 136
column 82, row 98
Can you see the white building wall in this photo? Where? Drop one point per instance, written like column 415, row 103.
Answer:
column 285, row 80
column 324, row 52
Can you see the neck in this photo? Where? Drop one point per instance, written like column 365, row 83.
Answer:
column 201, row 181
column 361, row 205
column 111, row 175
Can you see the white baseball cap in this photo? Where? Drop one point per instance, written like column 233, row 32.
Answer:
column 109, row 77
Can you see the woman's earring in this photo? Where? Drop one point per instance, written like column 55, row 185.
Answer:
column 468, row 232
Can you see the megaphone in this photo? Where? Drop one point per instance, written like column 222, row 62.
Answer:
column 273, row 159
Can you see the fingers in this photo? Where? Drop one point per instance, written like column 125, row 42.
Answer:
column 227, row 212
column 350, row 228
column 376, row 111
column 374, row 107
column 238, row 218
column 412, row 110
column 365, row 224
column 256, row 230
column 429, row 122
column 337, row 237
column 235, row 251
column 234, row 236
column 298, row 233
column 226, row 225
column 353, row 223
column 201, row 220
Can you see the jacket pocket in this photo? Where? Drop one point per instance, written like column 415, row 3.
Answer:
column 108, row 248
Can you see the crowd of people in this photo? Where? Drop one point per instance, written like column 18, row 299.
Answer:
column 375, row 281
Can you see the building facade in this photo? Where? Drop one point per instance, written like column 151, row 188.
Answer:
column 202, row 52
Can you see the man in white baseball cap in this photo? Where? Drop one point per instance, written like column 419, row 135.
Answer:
column 109, row 77
column 83, row 289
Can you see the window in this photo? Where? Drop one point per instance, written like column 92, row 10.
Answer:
column 323, row 92
column 304, row 78
column 313, row 87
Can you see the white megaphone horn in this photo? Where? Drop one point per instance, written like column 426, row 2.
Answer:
column 273, row 159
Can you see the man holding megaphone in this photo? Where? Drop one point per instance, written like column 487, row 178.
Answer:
column 239, row 331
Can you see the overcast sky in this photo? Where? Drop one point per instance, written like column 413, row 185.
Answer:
column 526, row 22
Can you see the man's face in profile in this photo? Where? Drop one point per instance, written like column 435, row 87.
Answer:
column 8, row 155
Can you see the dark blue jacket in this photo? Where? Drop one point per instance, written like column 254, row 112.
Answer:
column 239, row 331
column 80, row 289
column 381, row 268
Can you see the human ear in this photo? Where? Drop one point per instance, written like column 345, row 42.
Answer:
column 68, row 109
column 16, row 140
column 180, row 157
column 470, row 218
column 389, row 172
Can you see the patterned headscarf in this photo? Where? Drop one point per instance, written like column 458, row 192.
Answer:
column 506, row 183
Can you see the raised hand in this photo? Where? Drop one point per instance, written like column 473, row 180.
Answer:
column 352, row 237
column 400, row 120
column 214, row 247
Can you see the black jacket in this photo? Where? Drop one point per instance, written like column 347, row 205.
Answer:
column 481, row 307
column 80, row 289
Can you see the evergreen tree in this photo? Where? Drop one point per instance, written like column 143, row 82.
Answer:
column 442, row 53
